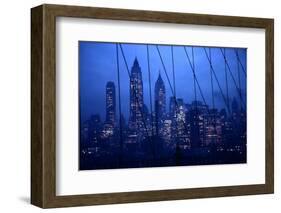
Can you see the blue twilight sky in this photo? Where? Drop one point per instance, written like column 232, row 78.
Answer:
column 98, row 65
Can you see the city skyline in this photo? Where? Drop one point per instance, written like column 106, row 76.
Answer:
column 157, row 126
column 104, row 68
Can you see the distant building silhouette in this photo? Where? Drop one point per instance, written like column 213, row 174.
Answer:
column 198, row 122
column 172, row 107
column 91, row 131
column 110, row 103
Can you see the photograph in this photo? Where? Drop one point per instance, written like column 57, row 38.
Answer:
column 148, row 104
column 154, row 105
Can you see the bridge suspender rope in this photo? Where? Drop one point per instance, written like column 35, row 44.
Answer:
column 212, row 88
column 173, row 69
column 216, row 78
column 213, row 71
column 150, row 93
column 194, row 76
column 162, row 62
column 177, row 151
column 231, row 74
column 194, row 81
column 239, row 61
column 214, row 74
column 226, row 82
column 174, row 83
column 239, row 79
column 170, row 85
column 150, row 99
column 119, row 102
column 211, row 74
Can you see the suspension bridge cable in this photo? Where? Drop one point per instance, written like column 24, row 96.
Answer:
column 212, row 69
column 119, row 103
column 194, row 75
column 195, row 91
column 211, row 74
column 231, row 74
column 239, row 79
column 173, row 69
column 216, row 78
column 226, row 81
column 173, row 93
column 174, row 82
column 168, row 79
column 194, row 78
column 165, row 71
column 150, row 93
column 213, row 99
column 200, row 90
column 238, row 58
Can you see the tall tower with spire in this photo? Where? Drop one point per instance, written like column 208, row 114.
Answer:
column 160, row 104
column 136, row 98
column 160, row 97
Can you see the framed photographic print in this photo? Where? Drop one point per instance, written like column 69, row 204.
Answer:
column 136, row 106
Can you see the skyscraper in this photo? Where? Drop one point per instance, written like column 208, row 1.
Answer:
column 182, row 133
column 160, row 104
column 160, row 97
column 198, row 122
column 110, row 103
column 94, row 129
column 173, row 117
column 213, row 127
column 172, row 107
column 136, row 98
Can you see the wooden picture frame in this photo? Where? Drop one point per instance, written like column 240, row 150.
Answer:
column 43, row 105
